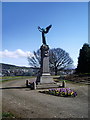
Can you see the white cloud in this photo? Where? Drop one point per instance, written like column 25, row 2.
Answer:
column 15, row 54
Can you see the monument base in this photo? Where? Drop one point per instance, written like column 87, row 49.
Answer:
column 46, row 78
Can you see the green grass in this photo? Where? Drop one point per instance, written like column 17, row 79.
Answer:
column 60, row 80
column 9, row 78
column 68, row 81
column 7, row 115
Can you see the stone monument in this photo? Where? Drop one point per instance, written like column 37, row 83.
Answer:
column 45, row 76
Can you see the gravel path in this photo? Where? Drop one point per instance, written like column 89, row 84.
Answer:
column 26, row 103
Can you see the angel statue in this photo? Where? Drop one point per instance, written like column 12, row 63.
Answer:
column 44, row 31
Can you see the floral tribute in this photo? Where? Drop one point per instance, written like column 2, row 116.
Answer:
column 62, row 92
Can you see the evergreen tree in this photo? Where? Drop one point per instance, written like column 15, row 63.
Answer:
column 84, row 60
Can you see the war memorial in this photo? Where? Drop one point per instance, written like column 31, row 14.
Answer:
column 44, row 79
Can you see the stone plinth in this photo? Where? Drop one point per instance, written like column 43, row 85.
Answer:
column 44, row 59
column 46, row 79
column 45, row 73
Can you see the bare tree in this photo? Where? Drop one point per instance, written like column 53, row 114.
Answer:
column 58, row 59
column 35, row 61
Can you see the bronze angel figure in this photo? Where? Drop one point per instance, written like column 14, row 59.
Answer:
column 44, row 31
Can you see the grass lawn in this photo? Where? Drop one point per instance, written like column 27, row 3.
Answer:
column 8, row 78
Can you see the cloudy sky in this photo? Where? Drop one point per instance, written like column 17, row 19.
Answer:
column 20, row 36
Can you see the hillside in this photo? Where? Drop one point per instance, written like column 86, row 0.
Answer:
column 9, row 66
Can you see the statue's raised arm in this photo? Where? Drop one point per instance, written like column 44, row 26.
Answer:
column 47, row 29
column 44, row 31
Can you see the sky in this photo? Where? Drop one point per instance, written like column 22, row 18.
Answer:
column 20, row 34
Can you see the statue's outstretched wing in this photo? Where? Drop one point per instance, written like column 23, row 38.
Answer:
column 39, row 29
column 47, row 28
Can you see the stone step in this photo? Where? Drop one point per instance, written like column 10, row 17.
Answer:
column 46, row 86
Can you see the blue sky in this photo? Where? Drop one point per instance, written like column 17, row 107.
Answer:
column 20, row 35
